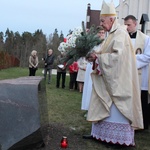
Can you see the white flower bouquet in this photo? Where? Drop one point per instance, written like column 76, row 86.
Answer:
column 79, row 43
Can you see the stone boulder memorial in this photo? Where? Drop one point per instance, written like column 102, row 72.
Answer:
column 23, row 112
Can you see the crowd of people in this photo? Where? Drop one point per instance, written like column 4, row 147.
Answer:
column 113, row 79
column 76, row 70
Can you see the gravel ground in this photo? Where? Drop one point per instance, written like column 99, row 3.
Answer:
column 52, row 135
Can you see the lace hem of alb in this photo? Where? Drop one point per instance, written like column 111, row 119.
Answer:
column 116, row 133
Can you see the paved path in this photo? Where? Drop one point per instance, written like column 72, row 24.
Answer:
column 54, row 71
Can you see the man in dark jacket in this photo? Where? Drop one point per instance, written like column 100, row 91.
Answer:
column 49, row 60
column 61, row 71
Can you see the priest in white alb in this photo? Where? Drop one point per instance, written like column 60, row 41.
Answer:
column 141, row 44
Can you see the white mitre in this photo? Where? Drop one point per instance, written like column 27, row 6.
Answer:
column 108, row 9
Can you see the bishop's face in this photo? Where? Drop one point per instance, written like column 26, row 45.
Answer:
column 131, row 25
column 106, row 22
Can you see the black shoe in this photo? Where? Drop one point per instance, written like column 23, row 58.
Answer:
column 87, row 137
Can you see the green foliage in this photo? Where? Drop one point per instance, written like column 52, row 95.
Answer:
column 87, row 41
column 70, row 56
column 84, row 44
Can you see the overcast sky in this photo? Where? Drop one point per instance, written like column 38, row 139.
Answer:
column 30, row 15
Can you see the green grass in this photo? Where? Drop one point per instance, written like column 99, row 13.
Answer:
column 64, row 108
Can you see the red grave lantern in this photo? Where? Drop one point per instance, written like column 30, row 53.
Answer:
column 64, row 142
